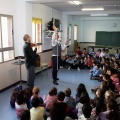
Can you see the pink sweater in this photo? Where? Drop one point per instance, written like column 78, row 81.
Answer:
column 115, row 81
column 49, row 100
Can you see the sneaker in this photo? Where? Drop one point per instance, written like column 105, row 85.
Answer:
column 69, row 68
column 78, row 68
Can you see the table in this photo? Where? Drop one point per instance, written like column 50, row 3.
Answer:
column 19, row 63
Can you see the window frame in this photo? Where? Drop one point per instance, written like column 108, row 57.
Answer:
column 2, row 50
column 76, row 31
column 38, row 44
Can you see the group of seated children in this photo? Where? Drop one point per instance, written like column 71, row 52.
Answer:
column 81, row 60
column 29, row 105
column 62, row 106
column 98, row 62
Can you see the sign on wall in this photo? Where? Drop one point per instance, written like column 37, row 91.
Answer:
column 69, row 31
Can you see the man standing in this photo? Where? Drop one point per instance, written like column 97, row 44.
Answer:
column 30, row 56
column 56, row 56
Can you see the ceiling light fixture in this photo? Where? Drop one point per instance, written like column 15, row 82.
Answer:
column 75, row 2
column 99, row 14
column 90, row 9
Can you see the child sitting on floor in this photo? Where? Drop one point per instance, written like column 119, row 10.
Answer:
column 14, row 95
column 92, row 53
column 110, row 85
column 84, row 53
column 96, row 72
column 69, row 99
column 60, row 99
column 20, row 104
column 74, row 64
column 78, row 51
column 89, row 62
column 115, row 79
column 93, row 67
column 27, row 95
column 69, row 61
column 71, row 103
column 37, row 112
column 25, row 115
column 36, row 92
column 84, row 99
column 102, row 87
column 86, row 110
column 81, row 64
column 50, row 98
column 117, row 56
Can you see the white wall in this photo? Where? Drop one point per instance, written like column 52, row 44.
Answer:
column 46, row 14
column 73, row 21
column 89, row 26
column 17, row 9
column 9, row 72
column 28, row 18
column 22, row 13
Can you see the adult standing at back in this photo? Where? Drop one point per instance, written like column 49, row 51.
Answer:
column 30, row 56
column 56, row 56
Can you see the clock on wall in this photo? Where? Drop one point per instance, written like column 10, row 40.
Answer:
column 114, row 24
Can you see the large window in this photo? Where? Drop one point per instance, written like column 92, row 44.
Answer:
column 37, row 33
column 75, row 32
column 6, row 38
column 0, row 56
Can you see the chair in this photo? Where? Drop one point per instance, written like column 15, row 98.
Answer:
column 42, row 67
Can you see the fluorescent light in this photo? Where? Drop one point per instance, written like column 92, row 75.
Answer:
column 90, row 9
column 99, row 14
column 71, row 2
column 75, row 2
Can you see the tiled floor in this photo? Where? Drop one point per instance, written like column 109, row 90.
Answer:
column 67, row 79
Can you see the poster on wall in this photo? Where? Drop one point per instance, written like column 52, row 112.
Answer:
column 69, row 32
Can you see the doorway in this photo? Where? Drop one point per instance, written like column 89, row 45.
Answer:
column 75, row 37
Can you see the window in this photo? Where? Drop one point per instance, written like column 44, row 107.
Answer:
column 6, row 38
column 37, row 33
column 75, row 32
column 0, row 56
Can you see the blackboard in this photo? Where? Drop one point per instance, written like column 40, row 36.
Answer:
column 107, row 38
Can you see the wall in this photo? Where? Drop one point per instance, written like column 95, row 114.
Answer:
column 13, row 7
column 22, row 18
column 85, row 45
column 87, row 27
column 73, row 21
column 46, row 14
column 93, row 24
column 45, row 58
column 10, row 73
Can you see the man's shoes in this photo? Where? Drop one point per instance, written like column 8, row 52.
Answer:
column 57, row 79
column 55, row 82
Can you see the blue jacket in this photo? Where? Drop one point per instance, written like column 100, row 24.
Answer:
column 96, row 73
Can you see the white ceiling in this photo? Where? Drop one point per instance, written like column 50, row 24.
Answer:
column 64, row 5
